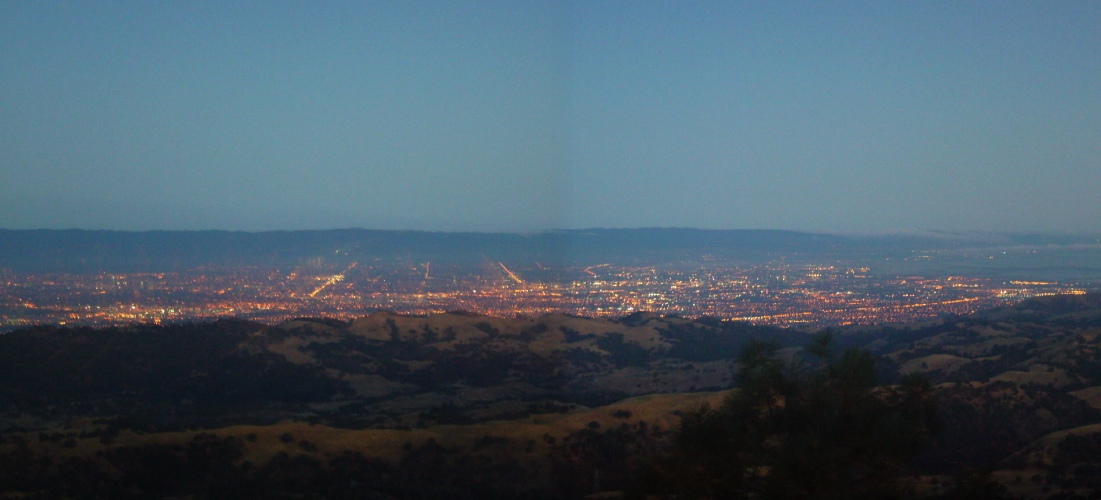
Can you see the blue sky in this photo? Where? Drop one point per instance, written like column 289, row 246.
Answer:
column 522, row 116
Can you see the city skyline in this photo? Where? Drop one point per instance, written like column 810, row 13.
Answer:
column 506, row 117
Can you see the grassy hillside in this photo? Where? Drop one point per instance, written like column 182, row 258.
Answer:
column 466, row 406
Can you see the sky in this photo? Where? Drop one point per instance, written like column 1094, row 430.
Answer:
column 524, row 116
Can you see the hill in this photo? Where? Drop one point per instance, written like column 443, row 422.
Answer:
column 1018, row 388
column 368, row 372
column 78, row 251
column 83, row 251
column 460, row 405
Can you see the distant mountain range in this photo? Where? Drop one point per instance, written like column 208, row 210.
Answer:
column 163, row 251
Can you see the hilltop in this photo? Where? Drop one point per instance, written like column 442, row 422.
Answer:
column 97, row 251
column 510, row 406
column 367, row 372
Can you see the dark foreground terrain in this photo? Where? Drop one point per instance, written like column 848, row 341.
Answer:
column 466, row 406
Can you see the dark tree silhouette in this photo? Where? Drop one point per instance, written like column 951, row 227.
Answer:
column 820, row 428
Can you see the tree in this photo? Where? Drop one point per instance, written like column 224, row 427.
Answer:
column 819, row 428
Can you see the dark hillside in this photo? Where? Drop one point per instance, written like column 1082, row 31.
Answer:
column 1008, row 380
column 364, row 372
column 461, row 405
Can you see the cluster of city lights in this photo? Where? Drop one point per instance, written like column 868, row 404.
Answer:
column 805, row 295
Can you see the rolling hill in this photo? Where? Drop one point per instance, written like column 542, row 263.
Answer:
column 463, row 405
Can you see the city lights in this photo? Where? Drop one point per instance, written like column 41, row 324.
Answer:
column 777, row 294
